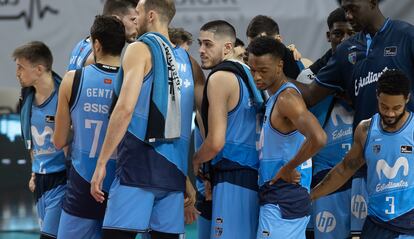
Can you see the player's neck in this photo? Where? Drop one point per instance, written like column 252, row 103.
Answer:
column 109, row 60
column 44, row 88
column 277, row 84
column 377, row 23
column 398, row 125
column 160, row 28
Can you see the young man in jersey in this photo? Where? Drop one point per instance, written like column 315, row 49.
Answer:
column 290, row 136
column 151, row 122
column 38, row 104
column 84, row 102
column 384, row 143
column 230, row 113
column 124, row 10
column 354, row 69
column 331, row 215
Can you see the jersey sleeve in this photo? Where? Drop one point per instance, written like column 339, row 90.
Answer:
column 331, row 75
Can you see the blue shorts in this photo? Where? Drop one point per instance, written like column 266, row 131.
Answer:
column 235, row 212
column 78, row 227
column 331, row 216
column 49, row 203
column 273, row 226
column 374, row 231
column 142, row 209
column 359, row 204
column 203, row 228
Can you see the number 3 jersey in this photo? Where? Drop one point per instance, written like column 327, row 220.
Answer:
column 90, row 116
column 390, row 182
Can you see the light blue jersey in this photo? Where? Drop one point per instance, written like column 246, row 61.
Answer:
column 390, row 184
column 162, row 164
column 242, row 131
column 90, row 116
column 276, row 148
column 338, row 128
column 46, row 158
column 285, row 207
column 150, row 177
column 80, row 54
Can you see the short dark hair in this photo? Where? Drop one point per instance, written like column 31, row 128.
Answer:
column 220, row 28
column 262, row 24
column 338, row 15
column 238, row 42
column 36, row 52
column 263, row 45
column 179, row 36
column 118, row 7
column 110, row 32
column 394, row 82
column 166, row 8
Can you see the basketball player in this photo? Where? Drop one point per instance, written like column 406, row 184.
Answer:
column 230, row 114
column 84, row 102
column 38, row 104
column 290, row 136
column 124, row 10
column 152, row 127
column 384, row 143
column 354, row 69
column 331, row 215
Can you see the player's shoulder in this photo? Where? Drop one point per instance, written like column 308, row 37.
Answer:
column 363, row 128
column 138, row 47
column 402, row 27
column 222, row 76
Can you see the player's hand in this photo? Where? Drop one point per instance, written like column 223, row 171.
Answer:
column 196, row 166
column 288, row 175
column 32, row 185
column 96, row 183
column 190, row 212
column 296, row 54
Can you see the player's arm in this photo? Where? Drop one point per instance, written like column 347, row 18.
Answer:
column 136, row 63
column 290, row 105
column 61, row 136
column 344, row 170
column 312, row 93
column 32, row 183
column 219, row 91
column 190, row 212
column 199, row 80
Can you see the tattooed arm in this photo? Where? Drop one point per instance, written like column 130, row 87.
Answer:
column 344, row 170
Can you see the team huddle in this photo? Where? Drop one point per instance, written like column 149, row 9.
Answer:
column 284, row 148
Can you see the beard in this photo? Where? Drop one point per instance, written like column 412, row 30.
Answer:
column 394, row 122
column 142, row 30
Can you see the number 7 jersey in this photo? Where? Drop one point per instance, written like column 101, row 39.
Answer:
column 90, row 116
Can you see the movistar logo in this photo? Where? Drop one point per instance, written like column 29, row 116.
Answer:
column 369, row 79
column 391, row 172
column 39, row 138
column 340, row 112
